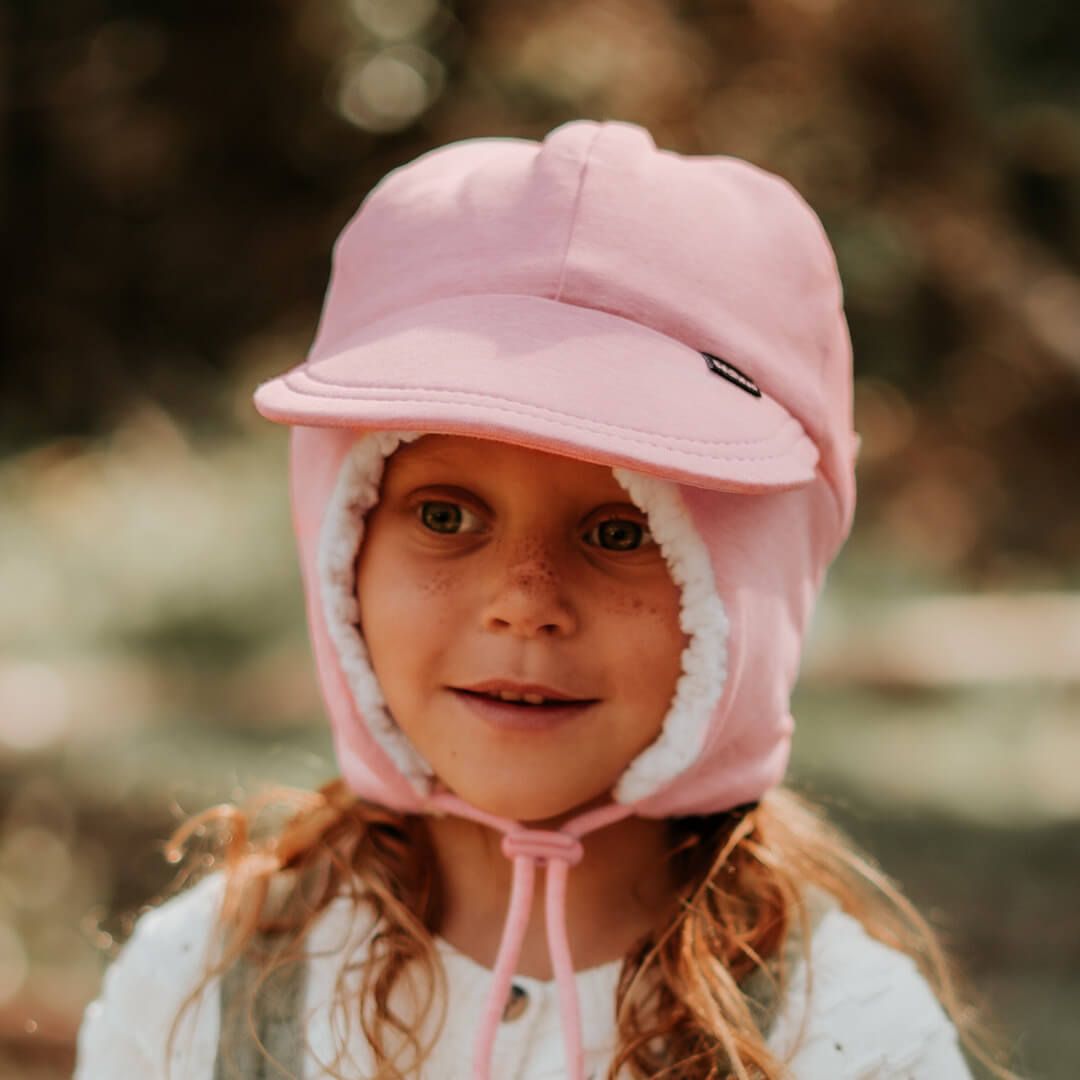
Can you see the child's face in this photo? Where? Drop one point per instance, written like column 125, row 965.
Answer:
column 484, row 561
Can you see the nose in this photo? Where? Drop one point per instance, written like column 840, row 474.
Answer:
column 528, row 596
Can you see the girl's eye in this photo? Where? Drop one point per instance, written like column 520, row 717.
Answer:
column 615, row 534
column 445, row 517
column 619, row 534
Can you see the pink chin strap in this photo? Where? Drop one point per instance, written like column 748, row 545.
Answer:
column 556, row 851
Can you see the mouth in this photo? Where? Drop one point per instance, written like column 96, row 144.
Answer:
column 525, row 700
column 521, row 708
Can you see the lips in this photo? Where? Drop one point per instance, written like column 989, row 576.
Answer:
column 528, row 701
column 529, row 695
column 519, row 716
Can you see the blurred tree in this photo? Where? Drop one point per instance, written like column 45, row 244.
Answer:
column 176, row 174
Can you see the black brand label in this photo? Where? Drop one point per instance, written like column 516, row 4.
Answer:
column 729, row 371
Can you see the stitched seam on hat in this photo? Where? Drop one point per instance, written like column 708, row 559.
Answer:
column 574, row 212
column 439, row 395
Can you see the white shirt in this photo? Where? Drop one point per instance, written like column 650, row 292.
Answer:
column 872, row 1014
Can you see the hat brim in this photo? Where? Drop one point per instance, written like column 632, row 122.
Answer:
column 553, row 376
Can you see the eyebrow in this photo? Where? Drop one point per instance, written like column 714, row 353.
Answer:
column 448, row 458
column 454, row 490
column 453, row 459
column 467, row 494
column 432, row 474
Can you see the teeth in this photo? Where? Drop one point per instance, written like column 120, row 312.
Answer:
column 513, row 695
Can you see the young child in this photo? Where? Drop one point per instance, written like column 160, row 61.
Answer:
column 570, row 456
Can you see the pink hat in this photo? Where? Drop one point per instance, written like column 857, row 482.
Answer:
column 677, row 318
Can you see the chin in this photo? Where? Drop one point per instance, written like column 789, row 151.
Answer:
column 532, row 807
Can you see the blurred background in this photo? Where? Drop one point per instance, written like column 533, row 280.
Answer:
column 173, row 179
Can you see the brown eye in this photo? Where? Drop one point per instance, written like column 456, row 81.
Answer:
column 618, row 534
column 441, row 516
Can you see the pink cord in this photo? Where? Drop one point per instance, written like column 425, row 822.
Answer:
column 556, row 851
column 509, row 949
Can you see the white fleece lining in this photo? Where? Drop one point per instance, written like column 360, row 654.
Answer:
column 355, row 493
column 702, row 616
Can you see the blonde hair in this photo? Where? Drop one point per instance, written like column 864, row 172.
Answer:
column 680, row 1004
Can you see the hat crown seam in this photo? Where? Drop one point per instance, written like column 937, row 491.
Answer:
column 575, row 211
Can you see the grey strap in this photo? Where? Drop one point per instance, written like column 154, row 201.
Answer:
column 275, row 1015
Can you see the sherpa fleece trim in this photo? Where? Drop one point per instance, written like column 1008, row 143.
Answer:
column 702, row 617
column 355, row 493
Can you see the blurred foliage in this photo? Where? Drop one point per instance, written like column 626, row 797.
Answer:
column 174, row 177
column 176, row 174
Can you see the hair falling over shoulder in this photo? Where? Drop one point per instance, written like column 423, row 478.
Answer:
column 681, row 1008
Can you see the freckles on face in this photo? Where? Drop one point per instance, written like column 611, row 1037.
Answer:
column 484, row 561
column 620, row 601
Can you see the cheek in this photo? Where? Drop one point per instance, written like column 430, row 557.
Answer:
column 405, row 616
column 392, row 602
column 654, row 605
column 641, row 623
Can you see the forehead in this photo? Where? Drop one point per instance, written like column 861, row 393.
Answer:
column 445, row 457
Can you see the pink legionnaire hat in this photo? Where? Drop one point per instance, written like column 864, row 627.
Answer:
column 677, row 318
